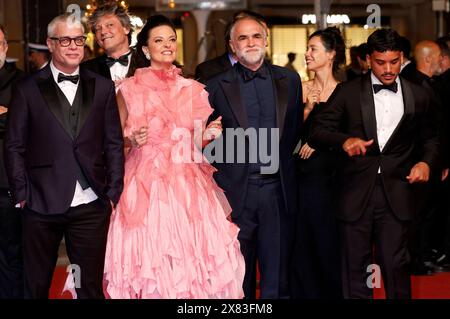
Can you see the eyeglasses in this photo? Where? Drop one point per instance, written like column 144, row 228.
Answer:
column 66, row 41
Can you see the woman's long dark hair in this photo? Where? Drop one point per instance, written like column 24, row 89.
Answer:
column 138, row 59
column 332, row 40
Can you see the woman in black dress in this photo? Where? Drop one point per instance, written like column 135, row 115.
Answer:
column 316, row 262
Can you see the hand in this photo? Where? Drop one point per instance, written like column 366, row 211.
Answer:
column 420, row 173
column 213, row 130
column 313, row 97
column 356, row 146
column 139, row 137
column 444, row 174
column 306, row 151
column 3, row 110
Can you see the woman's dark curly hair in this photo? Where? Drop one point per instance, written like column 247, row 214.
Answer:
column 332, row 40
column 139, row 60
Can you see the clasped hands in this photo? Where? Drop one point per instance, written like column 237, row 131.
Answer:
column 212, row 131
column 139, row 137
column 354, row 146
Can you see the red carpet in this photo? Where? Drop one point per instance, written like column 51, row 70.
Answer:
column 423, row 287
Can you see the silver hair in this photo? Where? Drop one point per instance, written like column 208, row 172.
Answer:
column 63, row 18
column 247, row 17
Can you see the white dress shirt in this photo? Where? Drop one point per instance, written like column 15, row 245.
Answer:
column 119, row 71
column 70, row 90
column 389, row 111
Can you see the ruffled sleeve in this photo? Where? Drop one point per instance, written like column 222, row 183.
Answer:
column 135, row 108
column 201, row 108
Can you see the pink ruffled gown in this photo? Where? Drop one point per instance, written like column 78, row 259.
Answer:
column 169, row 235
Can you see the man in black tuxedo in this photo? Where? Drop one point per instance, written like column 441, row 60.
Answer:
column 112, row 27
column 427, row 56
column 11, row 272
column 385, row 128
column 65, row 163
column 408, row 67
column 258, row 97
column 443, row 222
column 208, row 69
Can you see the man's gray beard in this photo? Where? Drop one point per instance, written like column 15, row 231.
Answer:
column 242, row 57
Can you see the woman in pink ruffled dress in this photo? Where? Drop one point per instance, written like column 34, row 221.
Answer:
column 169, row 235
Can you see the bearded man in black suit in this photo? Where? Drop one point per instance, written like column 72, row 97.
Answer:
column 256, row 98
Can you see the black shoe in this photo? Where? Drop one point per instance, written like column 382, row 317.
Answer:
column 420, row 269
column 443, row 260
column 436, row 268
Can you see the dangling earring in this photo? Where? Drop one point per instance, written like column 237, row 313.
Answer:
column 147, row 55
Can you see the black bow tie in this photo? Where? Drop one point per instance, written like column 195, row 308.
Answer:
column 122, row 60
column 72, row 78
column 249, row 75
column 391, row 87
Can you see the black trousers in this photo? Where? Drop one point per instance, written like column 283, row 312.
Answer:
column 11, row 264
column 266, row 237
column 378, row 231
column 423, row 225
column 85, row 229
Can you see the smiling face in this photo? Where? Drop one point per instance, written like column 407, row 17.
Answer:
column 111, row 35
column 162, row 46
column 66, row 59
column 385, row 65
column 248, row 41
column 316, row 55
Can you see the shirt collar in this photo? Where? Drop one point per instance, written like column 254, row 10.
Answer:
column 55, row 72
column 404, row 65
column 233, row 61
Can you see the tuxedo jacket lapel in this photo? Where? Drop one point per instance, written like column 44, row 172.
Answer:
column 280, row 84
column 88, row 89
column 5, row 77
column 103, row 67
column 408, row 108
column 408, row 99
column 368, row 109
column 230, row 86
column 48, row 89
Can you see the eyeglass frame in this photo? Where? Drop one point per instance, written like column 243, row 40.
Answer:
column 71, row 39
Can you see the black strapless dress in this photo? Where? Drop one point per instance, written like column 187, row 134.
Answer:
column 316, row 259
